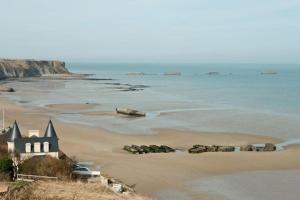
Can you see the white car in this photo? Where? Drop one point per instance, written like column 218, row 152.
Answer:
column 82, row 170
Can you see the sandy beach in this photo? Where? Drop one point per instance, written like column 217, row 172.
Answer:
column 154, row 174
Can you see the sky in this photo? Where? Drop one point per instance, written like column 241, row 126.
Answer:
column 226, row 31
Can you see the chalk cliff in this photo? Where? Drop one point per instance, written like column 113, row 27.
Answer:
column 29, row 68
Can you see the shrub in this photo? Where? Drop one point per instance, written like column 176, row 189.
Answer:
column 46, row 166
column 6, row 168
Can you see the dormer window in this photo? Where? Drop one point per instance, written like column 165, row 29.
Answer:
column 46, row 146
column 37, row 147
column 27, row 147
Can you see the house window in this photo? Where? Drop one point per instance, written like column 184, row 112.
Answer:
column 46, row 146
column 28, row 148
column 37, row 147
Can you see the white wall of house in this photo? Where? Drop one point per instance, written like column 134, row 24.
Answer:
column 10, row 146
column 25, row 156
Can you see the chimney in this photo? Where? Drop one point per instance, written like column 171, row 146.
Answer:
column 32, row 133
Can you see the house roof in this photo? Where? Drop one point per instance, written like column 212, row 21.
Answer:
column 50, row 131
column 14, row 135
column 15, row 132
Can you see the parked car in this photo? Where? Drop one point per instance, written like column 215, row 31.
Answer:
column 82, row 170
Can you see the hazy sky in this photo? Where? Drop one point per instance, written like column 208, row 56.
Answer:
column 256, row 31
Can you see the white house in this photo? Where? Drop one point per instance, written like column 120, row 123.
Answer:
column 33, row 145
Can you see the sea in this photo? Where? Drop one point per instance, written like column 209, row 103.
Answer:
column 261, row 99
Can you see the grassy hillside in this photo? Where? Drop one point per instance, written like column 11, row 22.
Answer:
column 41, row 190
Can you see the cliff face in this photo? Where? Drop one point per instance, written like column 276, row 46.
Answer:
column 30, row 68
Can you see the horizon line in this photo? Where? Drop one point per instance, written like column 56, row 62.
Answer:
column 146, row 62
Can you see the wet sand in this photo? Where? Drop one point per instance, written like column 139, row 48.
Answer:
column 256, row 185
column 99, row 113
column 155, row 174
column 72, row 106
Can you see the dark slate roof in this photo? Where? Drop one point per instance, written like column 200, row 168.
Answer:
column 15, row 132
column 20, row 143
column 50, row 131
column 14, row 135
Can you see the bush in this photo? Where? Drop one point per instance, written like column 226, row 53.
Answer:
column 6, row 168
column 47, row 166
